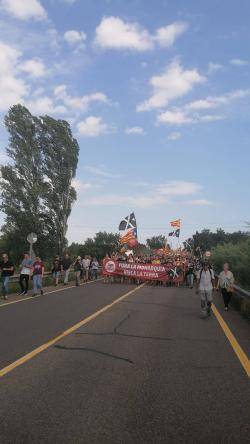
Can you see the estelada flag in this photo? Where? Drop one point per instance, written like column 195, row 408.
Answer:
column 131, row 234
column 176, row 223
column 128, row 222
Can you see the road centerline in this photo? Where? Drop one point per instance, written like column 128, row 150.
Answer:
column 7, row 369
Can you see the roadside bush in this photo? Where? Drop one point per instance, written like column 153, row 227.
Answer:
column 238, row 256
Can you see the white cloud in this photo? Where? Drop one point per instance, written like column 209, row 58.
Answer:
column 167, row 35
column 199, row 202
column 114, row 33
column 81, row 186
column 174, row 136
column 33, row 67
column 174, row 83
column 176, row 117
column 134, row 130
column 75, row 38
column 157, row 195
column 239, row 62
column 80, row 103
column 13, row 89
column 140, row 201
column 101, row 171
column 178, row 188
column 214, row 67
column 210, row 118
column 216, row 101
column 179, row 117
column 192, row 112
column 93, row 126
column 24, row 9
column 45, row 105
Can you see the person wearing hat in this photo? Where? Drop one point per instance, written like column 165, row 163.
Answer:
column 205, row 286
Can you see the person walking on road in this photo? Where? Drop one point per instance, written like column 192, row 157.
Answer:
column 38, row 271
column 225, row 283
column 94, row 268
column 190, row 275
column 65, row 268
column 205, row 286
column 7, row 270
column 25, row 273
column 78, row 268
column 56, row 270
column 85, row 266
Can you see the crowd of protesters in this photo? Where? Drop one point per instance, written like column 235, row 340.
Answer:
column 84, row 269
column 191, row 271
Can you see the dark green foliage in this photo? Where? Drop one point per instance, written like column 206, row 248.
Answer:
column 60, row 151
column 207, row 239
column 156, row 242
column 238, row 256
column 103, row 243
column 36, row 191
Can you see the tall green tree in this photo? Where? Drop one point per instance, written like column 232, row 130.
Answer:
column 22, row 181
column 60, row 151
column 36, row 190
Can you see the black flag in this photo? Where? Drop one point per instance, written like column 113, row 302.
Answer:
column 128, row 222
column 175, row 233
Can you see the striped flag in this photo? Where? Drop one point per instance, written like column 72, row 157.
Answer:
column 131, row 234
column 176, row 223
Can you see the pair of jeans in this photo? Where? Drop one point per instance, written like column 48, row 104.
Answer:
column 190, row 280
column 94, row 273
column 226, row 296
column 206, row 301
column 25, row 278
column 37, row 283
column 5, row 285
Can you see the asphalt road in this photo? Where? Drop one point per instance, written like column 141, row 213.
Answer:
column 147, row 370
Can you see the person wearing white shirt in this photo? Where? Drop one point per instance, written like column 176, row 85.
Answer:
column 205, row 286
column 85, row 266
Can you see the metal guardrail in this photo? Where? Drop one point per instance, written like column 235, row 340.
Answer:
column 15, row 277
column 240, row 292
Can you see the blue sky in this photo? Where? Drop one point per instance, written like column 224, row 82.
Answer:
column 158, row 97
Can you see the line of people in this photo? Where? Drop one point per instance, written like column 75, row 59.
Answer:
column 84, row 268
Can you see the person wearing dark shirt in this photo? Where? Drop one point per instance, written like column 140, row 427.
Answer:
column 38, row 271
column 190, row 275
column 7, row 270
column 77, row 269
column 65, row 268
column 56, row 270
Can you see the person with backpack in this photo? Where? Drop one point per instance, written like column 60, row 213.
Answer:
column 205, row 286
column 225, row 283
column 7, row 270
